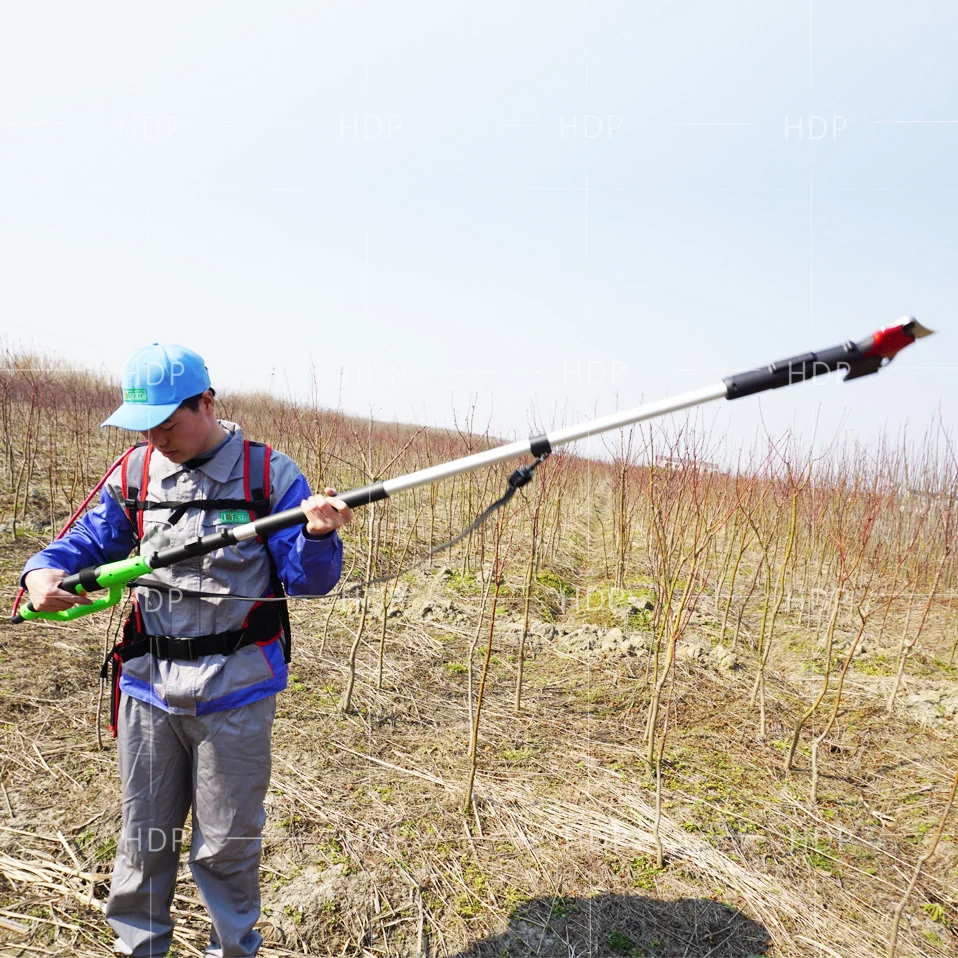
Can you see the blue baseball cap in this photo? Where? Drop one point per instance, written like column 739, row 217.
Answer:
column 156, row 379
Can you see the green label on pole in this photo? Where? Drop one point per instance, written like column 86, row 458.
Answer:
column 134, row 395
column 233, row 518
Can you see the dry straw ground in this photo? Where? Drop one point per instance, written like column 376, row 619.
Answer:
column 653, row 709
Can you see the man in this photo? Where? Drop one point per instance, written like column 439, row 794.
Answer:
column 193, row 719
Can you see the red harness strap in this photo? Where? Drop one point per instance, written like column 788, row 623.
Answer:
column 260, row 494
column 263, row 493
column 144, row 483
column 133, row 629
column 115, row 660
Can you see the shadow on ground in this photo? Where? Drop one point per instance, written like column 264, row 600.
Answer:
column 629, row 926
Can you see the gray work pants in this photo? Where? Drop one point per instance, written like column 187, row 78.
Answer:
column 219, row 765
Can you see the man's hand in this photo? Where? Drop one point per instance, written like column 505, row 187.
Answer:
column 43, row 585
column 325, row 513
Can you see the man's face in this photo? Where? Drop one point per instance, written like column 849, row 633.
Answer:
column 184, row 435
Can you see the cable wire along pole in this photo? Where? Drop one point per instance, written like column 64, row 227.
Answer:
column 855, row 359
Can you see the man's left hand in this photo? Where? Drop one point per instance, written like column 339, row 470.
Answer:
column 325, row 513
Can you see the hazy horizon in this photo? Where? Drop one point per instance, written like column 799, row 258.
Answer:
column 552, row 212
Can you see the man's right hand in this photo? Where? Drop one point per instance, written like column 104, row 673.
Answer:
column 43, row 586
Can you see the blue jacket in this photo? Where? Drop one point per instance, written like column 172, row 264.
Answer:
column 305, row 566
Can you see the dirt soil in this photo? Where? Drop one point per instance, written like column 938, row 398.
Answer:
column 368, row 849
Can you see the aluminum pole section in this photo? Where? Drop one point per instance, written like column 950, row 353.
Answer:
column 855, row 359
column 555, row 438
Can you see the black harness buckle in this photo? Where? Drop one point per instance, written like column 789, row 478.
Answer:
column 171, row 647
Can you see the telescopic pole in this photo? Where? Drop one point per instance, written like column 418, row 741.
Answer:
column 855, row 359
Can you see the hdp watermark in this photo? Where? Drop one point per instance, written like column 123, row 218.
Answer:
column 150, row 128
column 589, row 126
column 374, row 373
column 156, row 600
column 369, row 126
column 799, row 372
column 815, row 127
column 592, row 372
column 153, row 839
column 153, row 373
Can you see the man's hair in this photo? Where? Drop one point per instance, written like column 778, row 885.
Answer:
column 193, row 403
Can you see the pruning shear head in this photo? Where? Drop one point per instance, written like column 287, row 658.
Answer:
column 915, row 329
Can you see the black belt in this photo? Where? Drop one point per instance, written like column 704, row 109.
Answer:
column 263, row 625
column 192, row 648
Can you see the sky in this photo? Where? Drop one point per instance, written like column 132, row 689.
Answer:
column 545, row 211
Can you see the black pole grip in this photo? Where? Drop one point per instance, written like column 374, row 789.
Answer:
column 200, row 546
column 795, row 369
column 82, row 581
column 364, row 495
column 71, row 584
column 264, row 527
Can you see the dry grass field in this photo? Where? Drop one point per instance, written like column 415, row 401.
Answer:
column 651, row 708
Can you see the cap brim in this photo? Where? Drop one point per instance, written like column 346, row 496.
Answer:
column 140, row 416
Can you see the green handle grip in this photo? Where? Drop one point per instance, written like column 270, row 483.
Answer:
column 28, row 613
column 113, row 576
